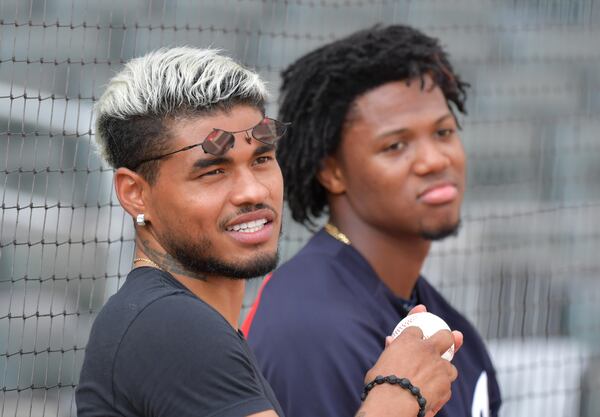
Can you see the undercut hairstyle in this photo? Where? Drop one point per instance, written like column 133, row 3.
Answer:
column 134, row 113
column 319, row 89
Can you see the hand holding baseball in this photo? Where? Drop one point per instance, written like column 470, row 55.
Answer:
column 419, row 359
column 429, row 325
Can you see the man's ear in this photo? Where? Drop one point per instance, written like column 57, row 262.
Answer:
column 330, row 176
column 130, row 188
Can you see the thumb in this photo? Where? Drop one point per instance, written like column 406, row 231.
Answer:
column 388, row 340
column 419, row 308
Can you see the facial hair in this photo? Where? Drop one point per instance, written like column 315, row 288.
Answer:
column 441, row 233
column 196, row 258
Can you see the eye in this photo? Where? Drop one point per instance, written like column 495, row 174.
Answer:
column 396, row 146
column 263, row 159
column 212, row 173
column 444, row 133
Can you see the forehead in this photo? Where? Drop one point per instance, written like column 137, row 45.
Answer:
column 399, row 102
column 189, row 130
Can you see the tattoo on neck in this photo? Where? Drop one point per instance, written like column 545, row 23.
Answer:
column 361, row 414
column 167, row 262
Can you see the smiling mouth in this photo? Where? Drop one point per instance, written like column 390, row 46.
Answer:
column 248, row 227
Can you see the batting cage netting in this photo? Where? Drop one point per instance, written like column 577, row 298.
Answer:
column 525, row 268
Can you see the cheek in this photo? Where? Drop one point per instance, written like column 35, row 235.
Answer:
column 274, row 182
column 458, row 154
column 378, row 187
column 459, row 162
column 198, row 208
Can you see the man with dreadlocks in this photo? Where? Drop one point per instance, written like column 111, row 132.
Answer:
column 375, row 145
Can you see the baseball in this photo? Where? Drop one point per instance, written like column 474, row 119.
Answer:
column 429, row 325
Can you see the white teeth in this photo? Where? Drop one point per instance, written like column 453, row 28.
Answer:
column 249, row 227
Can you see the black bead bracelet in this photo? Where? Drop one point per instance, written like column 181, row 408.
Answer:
column 404, row 383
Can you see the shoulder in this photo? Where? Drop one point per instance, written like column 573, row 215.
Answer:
column 303, row 268
column 183, row 357
column 308, row 286
column 177, row 322
column 153, row 311
column 178, row 337
column 323, row 264
column 315, row 292
column 141, row 289
column 294, row 311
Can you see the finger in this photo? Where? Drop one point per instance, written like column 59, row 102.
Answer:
column 458, row 340
column 388, row 340
column 453, row 374
column 420, row 308
column 442, row 340
column 411, row 332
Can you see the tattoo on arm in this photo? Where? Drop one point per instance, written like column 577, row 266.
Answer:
column 167, row 262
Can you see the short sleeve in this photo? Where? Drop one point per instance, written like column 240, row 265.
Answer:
column 180, row 358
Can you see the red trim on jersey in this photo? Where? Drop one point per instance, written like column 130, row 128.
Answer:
column 248, row 322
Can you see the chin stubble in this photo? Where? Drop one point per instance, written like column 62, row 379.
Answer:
column 442, row 233
column 195, row 259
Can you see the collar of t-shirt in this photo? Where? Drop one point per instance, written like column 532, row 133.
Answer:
column 324, row 242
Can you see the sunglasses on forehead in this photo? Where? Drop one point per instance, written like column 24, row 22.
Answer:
column 219, row 141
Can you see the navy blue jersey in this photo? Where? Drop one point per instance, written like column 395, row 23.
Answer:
column 156, row 349
column 320, row 324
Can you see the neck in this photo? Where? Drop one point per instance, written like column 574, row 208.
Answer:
column 397, row 260
column 223, row 294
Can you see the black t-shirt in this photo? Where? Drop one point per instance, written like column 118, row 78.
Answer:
column 156, row 349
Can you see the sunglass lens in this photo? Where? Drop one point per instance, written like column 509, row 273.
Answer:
column 218, row 142
column 268, row 131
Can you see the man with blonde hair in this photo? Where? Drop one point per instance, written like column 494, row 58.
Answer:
column 194, row 158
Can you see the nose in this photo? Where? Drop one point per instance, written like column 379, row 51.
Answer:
column 248, row 188
column 430, row 158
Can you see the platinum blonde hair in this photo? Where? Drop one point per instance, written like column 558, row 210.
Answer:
column 168, row 82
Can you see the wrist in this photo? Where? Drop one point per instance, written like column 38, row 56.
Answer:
column 387, row 382
column 389, row 401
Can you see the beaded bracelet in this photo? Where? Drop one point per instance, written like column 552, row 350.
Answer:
column 404, row 383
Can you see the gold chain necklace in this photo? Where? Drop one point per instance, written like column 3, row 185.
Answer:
column 149, row 261
column 335, row 232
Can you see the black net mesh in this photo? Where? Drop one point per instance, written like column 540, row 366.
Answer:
column 525, row 268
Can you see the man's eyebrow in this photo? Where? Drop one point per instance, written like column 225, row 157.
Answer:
column 220, row 160
column 444, row 117
column 392, row 132
column 206, row 163
column 404, row 129
column 264, row 148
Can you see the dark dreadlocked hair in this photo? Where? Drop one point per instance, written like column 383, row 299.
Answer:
column 319, row 88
